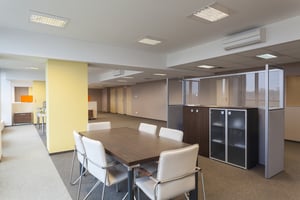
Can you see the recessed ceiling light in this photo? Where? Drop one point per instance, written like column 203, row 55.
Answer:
column 149, row 41
column 158, row 74
column 266, row 56
column 212, row 13
column 47, row 19
column 207, row 66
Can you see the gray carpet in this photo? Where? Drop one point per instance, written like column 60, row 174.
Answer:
column 26, row 170
column 222, row 181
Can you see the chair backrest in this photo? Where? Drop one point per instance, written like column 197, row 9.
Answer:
column 147, row 128
column 98, row 126
column 96, row 158
column 79, row 147
column 170, row 133
column 173, row 164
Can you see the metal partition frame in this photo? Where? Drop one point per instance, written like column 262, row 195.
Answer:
column 274, row 130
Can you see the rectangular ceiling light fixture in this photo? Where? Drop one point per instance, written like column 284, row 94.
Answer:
column 159, row 74
column 149, row 41
column 266, row 56
column 47, row 19
column 212, row 13
column 206, row 66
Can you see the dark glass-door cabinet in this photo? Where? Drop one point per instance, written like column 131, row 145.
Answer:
column 195, row 127
column 234, row 136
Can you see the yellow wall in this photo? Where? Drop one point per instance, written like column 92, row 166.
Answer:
column 39, row 96
column 67, row 103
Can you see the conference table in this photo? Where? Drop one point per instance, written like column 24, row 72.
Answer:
column 133, row 148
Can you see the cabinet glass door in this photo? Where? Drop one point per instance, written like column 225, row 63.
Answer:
column 236, row 137
column 217, row 134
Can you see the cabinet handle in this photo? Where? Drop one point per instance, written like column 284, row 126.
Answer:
column 192, row 110
column 229, row 113
column 196, row 110
column 222, row 112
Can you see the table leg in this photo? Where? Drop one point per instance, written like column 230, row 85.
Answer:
column 130, row 183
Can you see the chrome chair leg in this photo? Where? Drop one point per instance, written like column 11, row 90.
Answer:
column 98, row 182
column 80, row 179
column 103, row 191
column 72, row 167
column 127, row 195
column 73, row 182
column 187, row 195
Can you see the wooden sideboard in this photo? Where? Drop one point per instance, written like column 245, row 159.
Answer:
column 196, row 127
column 20, row 118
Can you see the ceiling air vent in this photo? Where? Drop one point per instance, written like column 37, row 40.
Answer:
column 244, row 38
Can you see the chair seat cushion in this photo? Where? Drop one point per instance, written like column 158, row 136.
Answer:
column 116, row 174
column 151, row 167
column 147, row 185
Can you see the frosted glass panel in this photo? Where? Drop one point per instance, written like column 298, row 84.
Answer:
column 244, row 90
column 276, row 89
column 175, row 92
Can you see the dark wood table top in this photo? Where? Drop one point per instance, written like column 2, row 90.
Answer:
column 131, row 146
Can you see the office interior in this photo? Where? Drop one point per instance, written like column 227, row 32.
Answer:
column 74, row 70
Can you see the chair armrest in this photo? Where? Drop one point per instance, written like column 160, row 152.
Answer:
column 197, row 169
column 143, row 172
column 111, row 164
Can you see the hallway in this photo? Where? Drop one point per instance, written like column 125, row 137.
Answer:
column 26, row 169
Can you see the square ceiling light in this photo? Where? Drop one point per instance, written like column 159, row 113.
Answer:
column 47, row 19
column 212, row 13
column 266, row 56
column 149, row 41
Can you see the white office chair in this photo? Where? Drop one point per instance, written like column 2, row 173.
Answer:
column 147, row 128
column 175, row 174
column 97, row 165
column 170, row 133
column 79, row 151
column 98, row 126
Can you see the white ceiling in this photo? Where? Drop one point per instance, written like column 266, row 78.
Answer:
column 122, row 23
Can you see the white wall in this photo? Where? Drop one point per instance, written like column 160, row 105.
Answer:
column 292, row 125
column 6, row 100
column 149, row 100
column 9, row 80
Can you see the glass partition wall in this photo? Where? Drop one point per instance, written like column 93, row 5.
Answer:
column 175, row 102
column 234, row 90
column 261, row 89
